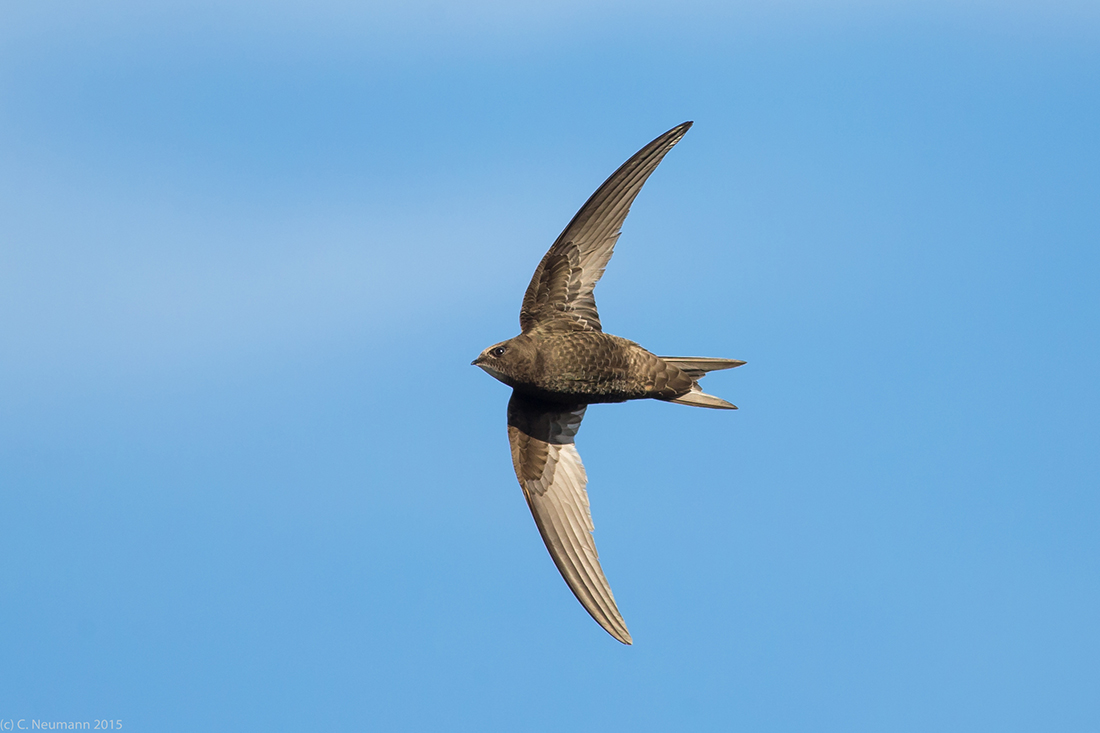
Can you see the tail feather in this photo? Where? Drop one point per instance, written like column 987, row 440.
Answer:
column 697, row 398
column 696, row 368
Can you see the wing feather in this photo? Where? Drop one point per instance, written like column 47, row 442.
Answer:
column 561, row 288
column 554, row 483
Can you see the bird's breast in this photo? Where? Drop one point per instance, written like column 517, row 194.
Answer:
column 591, row 367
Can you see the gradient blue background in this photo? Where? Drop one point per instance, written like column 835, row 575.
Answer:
column 249, row 481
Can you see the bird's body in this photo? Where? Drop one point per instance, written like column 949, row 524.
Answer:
column 562, row 361
column 586, row 367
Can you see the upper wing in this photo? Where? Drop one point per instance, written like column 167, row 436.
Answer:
column 549, row 470
column 562, row 283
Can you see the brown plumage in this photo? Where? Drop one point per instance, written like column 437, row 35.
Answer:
column 563, row 361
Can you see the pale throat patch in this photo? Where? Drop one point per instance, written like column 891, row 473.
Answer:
column 494, row 373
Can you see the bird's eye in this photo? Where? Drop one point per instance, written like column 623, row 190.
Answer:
column 498, row 351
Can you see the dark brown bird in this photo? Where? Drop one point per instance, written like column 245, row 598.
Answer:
column 563, row 361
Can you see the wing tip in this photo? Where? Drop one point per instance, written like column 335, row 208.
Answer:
column 613, row 624
column 678, row 132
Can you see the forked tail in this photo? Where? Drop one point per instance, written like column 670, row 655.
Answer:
column 696, row 368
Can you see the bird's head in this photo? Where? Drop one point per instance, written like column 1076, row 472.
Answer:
column 509, row 361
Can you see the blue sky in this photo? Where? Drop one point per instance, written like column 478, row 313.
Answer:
column 248, row 478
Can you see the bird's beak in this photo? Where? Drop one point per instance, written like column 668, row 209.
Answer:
column 476, row 361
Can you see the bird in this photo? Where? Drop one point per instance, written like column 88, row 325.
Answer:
column 562, row 361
